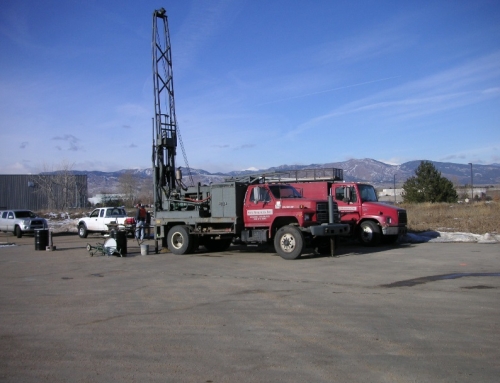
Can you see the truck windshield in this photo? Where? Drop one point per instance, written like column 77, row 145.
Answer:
column 284, row 191
column 367, row 193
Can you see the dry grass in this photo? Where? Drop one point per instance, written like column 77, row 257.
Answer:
column 476, row 218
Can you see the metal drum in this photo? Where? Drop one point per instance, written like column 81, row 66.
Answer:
column 41, row 239
column 121, row 242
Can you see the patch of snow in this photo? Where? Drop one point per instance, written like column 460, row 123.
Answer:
column 66, row 225
column 445, row 237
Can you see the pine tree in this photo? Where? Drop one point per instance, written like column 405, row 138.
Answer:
column 428, row 186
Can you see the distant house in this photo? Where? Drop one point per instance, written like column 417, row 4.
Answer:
column 103, row 198
column 390, row 195
column 41, row 192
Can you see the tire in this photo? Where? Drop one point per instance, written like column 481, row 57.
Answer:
column 82, row 231
column 369, row 233
column 18, row 232
column 289, row 242
column 179, row 241
column 215, row 245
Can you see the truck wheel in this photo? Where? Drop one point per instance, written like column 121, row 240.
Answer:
column 82, row 231
column 369, row 233
column 289, row 242
column 216, row 245
column 179, row 241
column 17, row 231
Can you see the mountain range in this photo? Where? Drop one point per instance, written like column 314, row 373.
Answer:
column 367, row 170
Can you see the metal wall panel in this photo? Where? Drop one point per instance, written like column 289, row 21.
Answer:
column 23, row 191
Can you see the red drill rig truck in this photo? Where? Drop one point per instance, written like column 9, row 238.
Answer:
column 253, row 210
column 372, row 222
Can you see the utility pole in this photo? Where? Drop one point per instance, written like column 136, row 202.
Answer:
column 471, row 183
column 395, row 188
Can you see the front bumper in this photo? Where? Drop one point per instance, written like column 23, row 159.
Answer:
column 394, row 230
column 31, row 227
column 329, row 229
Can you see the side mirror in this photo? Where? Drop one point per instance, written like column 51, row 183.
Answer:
column 347, row 194
column 256, row 194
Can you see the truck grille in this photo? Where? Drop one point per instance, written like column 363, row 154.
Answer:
column 402, row 219
column 322, row 212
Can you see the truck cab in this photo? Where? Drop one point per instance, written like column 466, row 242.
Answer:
column 374, row 221
column 266, row 203
column 371, row 221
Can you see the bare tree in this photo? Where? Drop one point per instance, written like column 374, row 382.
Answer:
column 66, row 183
column 128, row 184
column 146, row 191
column 58, row 186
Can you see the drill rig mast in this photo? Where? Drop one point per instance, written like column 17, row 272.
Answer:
column 167, row 180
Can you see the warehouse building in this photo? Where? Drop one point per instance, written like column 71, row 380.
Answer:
column 43, row 192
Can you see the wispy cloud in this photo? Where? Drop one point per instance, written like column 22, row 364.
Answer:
column 328, row 90
column 450, row 89
column 72, row 141
column 245, row 146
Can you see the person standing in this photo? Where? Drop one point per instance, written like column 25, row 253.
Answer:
column 140, row 218
column 148, row 225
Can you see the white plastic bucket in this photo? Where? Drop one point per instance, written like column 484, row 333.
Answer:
column 144, row 249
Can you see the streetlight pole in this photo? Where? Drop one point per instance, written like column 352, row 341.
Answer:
column 395, row 188
column 471, row 183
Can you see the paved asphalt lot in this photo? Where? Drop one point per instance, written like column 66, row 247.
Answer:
column 409, row 313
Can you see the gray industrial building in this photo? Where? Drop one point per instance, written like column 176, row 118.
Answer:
column 42, row 192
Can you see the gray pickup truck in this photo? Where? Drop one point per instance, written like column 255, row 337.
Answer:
column 20, row 222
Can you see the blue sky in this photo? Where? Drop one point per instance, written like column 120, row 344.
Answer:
column 257, row 83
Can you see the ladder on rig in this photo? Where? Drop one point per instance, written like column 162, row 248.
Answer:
column 299, row 175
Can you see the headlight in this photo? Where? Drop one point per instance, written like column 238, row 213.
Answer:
column 26, row 222
column 389, row 220
column 307, row 217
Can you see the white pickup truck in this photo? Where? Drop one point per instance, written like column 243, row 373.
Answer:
column 104, row 218
column 20, row 222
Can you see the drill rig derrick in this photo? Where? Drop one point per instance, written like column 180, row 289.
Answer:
column 167, row 179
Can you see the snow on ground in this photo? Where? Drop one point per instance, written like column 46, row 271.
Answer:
column 443, row 237
column 66, row 225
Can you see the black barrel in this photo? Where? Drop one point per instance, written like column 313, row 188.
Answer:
column 41, row 239
column 121, row 242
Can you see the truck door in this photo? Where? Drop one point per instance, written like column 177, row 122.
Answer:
column 93, row 222
column 346, row 197
column 10, row 221
column 3, row 221
column 259, row 205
